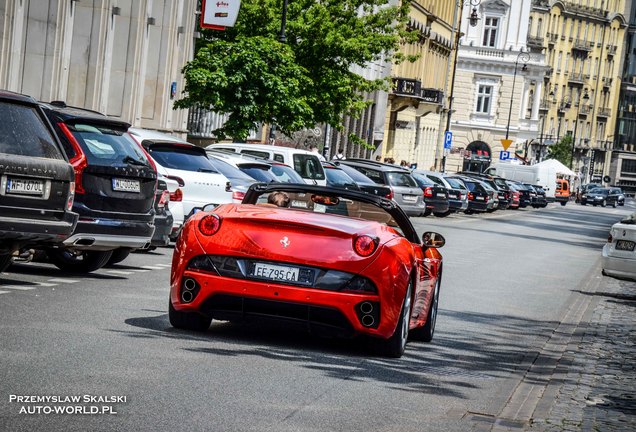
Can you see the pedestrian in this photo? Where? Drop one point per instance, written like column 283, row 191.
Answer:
column 378, row 158
column 314, row 149
column 340, row 155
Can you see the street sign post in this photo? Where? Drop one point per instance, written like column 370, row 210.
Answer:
column 448, row 140
column 505, row 143
column 504, row 155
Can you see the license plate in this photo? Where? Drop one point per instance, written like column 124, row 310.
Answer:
column 479, row 198
column 625, row 245
column 276, row 272
column 25, row 187
column 441, row 195
column 410, row 198
column 126, row 185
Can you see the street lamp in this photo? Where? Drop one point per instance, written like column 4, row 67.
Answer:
column 283, row 23
column 551, row 100
column 525, row 58
column 585, row 98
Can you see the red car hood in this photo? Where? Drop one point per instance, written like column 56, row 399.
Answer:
column 275, row 234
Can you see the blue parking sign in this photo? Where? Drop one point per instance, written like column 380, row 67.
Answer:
column 448, row 140
column 504, row 155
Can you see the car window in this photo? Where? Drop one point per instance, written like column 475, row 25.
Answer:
column 229, row 171
column 356, row 175
column 401, row 179
column 308, row 166
column 225, row 149
column 260, row 154
column 285, row 174
column 279, row 157
column 338, row 178
column 258, row 172
column 181, row 158
column 24, row 133
column 104, row 145
column 375, row 176
column 455, row 184
column 436, row 180
column 422, row 180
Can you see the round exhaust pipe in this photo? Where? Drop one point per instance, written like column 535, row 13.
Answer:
column 367, row 320
column 189, row 284
column 186, row 296
column 366, row 307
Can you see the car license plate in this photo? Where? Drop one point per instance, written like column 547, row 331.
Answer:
column 276, row 272
column 25, row 187
column 441, row 195
column 479, row 198
column 410, row 198
column 126, row 185
column 625, row 245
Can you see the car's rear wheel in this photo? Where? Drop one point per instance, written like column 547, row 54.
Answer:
column 79, row 261
column 426, row 332
column 563, row 203
column 614, row 204
column 187, row 320
column 427, row 212
column 444, row 214
column 396, row 344
column 5, row 261
column 119, row 255
column 603, row 203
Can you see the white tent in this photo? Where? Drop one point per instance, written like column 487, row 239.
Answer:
column 558, row 167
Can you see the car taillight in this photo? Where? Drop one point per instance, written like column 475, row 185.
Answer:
column 238, row 195
column 71, row 196
column 165, row 198
column 365, row 245
column 78, row 161
column 178, row 180
column 150, row 160
column 471, row 196
column 209, row 224
column 428, row 192
column 176, row 196
column 486, row 198
column 389, row 196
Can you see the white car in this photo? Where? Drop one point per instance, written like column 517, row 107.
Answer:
column 175, row 206
column 200, row 183
column 619, row 253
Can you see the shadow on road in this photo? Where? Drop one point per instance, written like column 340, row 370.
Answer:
column 44, row 270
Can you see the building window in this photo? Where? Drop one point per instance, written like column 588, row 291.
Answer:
column 539, row 27
column 484, row 98
column 559, row 59
column 490, row 32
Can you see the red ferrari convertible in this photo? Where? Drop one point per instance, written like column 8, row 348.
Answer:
column 339, row 261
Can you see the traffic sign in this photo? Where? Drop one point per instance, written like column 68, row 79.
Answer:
column 448, row 140
column 506, row 143
column 504, row 155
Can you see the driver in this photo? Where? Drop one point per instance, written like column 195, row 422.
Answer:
column 279, row 199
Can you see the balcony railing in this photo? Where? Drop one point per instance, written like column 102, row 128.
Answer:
column 552, row 38
column 585, row 109
column 576, row 78
column 611, row 50
column 607, row 81
column 604, row 112
column 413, row 88
column 545, row 106
column 535, row 41
column 582, row 45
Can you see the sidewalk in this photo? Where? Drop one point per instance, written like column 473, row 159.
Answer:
column 594, row 388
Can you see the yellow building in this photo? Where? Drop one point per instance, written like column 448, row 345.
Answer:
column 415, row 102
column 583, row 43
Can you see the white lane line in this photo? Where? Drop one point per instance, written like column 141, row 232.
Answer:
column 164, row 265
column 64, row 280
column 17, row 287
column 140, row 271
column 152, row 267
column 45, row 284
column 4, row 292
column 119, row 272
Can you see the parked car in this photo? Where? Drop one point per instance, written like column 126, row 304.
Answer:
column 260, row 260
column 457, row 195
column 540, row 200
column 435, row 194
column 406, row 191
column 37, row 182
column 365, row 183
column 619, row 253
column 163, row 217
column 240, row 182
column 115, row 185
column 601, row 196
column 496, row 183
column 524, row 193
column 493, row 195
column 621, row 195
column 305, row 163
column 478, row 196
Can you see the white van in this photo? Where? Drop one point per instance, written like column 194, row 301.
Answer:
column 304, row 162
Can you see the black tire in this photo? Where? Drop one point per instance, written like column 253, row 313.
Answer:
column 444, row 214
column 563, row 203
column 614, row 204
column 468, row 212
column 395, row 345
column 603, row 203
column 188, row 320
column 5, row 261
column 426, row 332
column 427, row 212
column 118, row 256
column 79, row 261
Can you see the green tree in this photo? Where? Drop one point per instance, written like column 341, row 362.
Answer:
column 562, row 150
column 246, row 72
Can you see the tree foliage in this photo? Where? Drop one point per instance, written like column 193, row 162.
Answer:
column 562, row 150
column 247, row 72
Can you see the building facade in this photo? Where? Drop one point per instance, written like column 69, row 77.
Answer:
column 119, row 57
column 496, row 86
column 583, row 42
column 414, row 105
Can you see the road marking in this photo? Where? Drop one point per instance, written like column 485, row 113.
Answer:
column 4, row 292
column 152, row 267
column 140, row 271
column 164, row 265
column 119, row 272
column 45, row 284
column 64, row 280
column 19, row 288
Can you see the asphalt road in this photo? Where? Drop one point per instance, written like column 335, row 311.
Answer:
column 510, row 280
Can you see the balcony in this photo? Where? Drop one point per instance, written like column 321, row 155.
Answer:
column 545, row 105
column 564, row 106
column 604, row 113
column 607, row 83
column 548, row 72
column 582, row 45
column 535, row 42
column 611, row 50
column 407, row 92
column 552, row 38
column 584, row 110
column 576, row 78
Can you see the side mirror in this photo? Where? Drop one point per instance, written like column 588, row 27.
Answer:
column 433, row 239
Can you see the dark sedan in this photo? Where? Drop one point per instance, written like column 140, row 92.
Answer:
column 600, row 196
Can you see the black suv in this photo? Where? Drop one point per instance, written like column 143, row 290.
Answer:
column 115, row 184
column 36, row 180
column 498, row 184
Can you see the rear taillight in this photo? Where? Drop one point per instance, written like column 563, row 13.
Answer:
column 210, row 224
column 428, row 191
column 178, row 180
column 176, row 196
column 486, row 198
column 71, row 196
column 471, row 196
column 78, row 161
column 365, row 245
column 165, row 198
column 389, row 196
column 238, row 196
